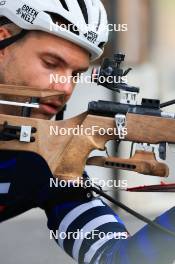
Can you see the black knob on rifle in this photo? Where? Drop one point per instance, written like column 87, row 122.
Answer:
column 118, row 58
column 162, row 150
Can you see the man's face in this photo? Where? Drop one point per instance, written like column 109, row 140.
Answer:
column 32, row 61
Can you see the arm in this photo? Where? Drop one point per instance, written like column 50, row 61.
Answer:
column 90, row 220
column 135, row 248
column 69, row 209
column 148, row 245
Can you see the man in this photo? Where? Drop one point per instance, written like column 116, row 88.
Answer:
column 32, row 47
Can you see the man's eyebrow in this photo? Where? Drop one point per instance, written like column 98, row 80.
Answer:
column 63, row 61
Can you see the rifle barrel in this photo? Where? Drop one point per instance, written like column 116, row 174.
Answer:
column 110, row 109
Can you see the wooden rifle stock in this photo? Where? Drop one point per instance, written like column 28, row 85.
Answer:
column 67, row 155
column 143, row 162
column 23, row 91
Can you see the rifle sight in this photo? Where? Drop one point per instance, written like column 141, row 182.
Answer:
column 112, row 76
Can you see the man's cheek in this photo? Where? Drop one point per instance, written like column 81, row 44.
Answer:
column 39, row 82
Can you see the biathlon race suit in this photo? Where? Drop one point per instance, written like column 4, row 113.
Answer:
column 25, row 184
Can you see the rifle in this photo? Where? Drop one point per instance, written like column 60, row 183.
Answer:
column 144, row 124
column 67, row 155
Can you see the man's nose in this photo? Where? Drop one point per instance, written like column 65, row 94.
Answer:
column 64, row 84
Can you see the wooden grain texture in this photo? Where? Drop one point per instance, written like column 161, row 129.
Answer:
column 142, row 162
column 21, row 91
column 67, row 155
column 50, row 147
column 73, row 159
column 150, row 129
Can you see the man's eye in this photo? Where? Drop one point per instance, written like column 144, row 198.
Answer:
column 49, row 64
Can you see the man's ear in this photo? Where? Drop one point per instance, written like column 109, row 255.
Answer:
column 4, row 33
